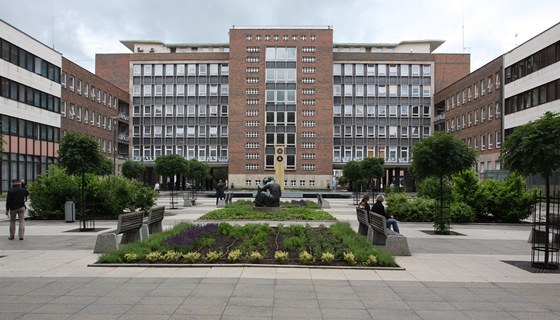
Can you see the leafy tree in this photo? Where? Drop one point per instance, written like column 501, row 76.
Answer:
column 352, row 171
column 372, row 168
column 197, row 171
column 133, row 170
column 79, row 154
column 441, row 156
column 534, row 148
column 170, row 165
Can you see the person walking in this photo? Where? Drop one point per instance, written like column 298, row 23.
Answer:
column 15, row 206
column 379, row 208
column 220, row 194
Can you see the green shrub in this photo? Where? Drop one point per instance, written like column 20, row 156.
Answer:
column 49, row 193
column 306, row 257
column 506, row 201
column 462, row 213
column 403, row 208
column 106, row 197
column 430, row 188
column 466, row 189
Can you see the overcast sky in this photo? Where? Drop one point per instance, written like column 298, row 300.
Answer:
column 80, row 29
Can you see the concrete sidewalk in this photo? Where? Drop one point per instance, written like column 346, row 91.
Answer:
column 46, row 276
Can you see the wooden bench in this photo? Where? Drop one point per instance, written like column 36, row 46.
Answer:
column 153, row 223
column 189, row 199
column 323, row 203
column 129, row 225
column 378, row 234
column 363, row 220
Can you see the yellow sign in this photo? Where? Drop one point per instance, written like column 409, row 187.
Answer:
column 279, row 164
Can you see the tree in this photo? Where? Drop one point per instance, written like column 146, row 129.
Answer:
column 352, row 171
column 133, row 170
column 534, row 148
column 441, row 156
column 197, row 170
column 372, row 168
column 170, row 165
column 79, row 154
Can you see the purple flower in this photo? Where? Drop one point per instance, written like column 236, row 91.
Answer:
column 188, row 237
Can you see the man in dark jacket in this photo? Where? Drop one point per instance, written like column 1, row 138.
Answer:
column 220, row 191
column 379, row 208
column 15, row 206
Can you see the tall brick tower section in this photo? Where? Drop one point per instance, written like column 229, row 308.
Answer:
column 281, row 84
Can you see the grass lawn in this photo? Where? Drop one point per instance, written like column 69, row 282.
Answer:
column 294, row 210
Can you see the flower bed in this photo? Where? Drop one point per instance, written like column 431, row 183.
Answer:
column 254, row 244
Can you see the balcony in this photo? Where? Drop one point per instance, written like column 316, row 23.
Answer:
column 439, row 117
column 123, row 116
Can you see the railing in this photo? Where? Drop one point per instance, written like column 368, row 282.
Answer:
column 440, row 116
column 123, row 116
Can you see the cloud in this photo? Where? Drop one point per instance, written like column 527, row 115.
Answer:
column 83, row 28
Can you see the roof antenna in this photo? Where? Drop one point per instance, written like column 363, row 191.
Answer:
column 52, row 24
column 463, row 27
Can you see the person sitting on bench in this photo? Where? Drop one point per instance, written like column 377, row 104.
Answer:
column 379, row 208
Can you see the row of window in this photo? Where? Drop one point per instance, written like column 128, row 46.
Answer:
column 179, row 110
column 533, row 63
column 28, row 129
column 486, row 141
column 255, row 166
column 276, row 37
column 471, row 118
column 75, row 113
column 19, row 92
column 20, row 166
column 381, row 131
column 75, row 85
column 179, row 131
column 201, row 152
column 170, row 70
column 372, row 90
column 392, row 70
column 539, row 95
column 355, row 153
column 480, row 88
column 26, row 60
column 179, row 90
column 304, row 156
column 381, row 111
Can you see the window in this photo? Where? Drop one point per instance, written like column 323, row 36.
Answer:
column 71, row 83
column 404, row 111
column 168, row 110
column 381, row 132
column 381, row 111
column 404, row 132
column 63, row 109
column 72, row 112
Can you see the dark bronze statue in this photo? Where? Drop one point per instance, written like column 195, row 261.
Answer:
column 268, row 193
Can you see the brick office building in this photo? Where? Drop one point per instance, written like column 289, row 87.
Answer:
column 29, row 105
column 471, row 109
column 230, row 104
column 94, row 107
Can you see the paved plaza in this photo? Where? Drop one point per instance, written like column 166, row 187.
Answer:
column 46, row 276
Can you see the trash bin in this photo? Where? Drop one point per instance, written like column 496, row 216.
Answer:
column 70, row 211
